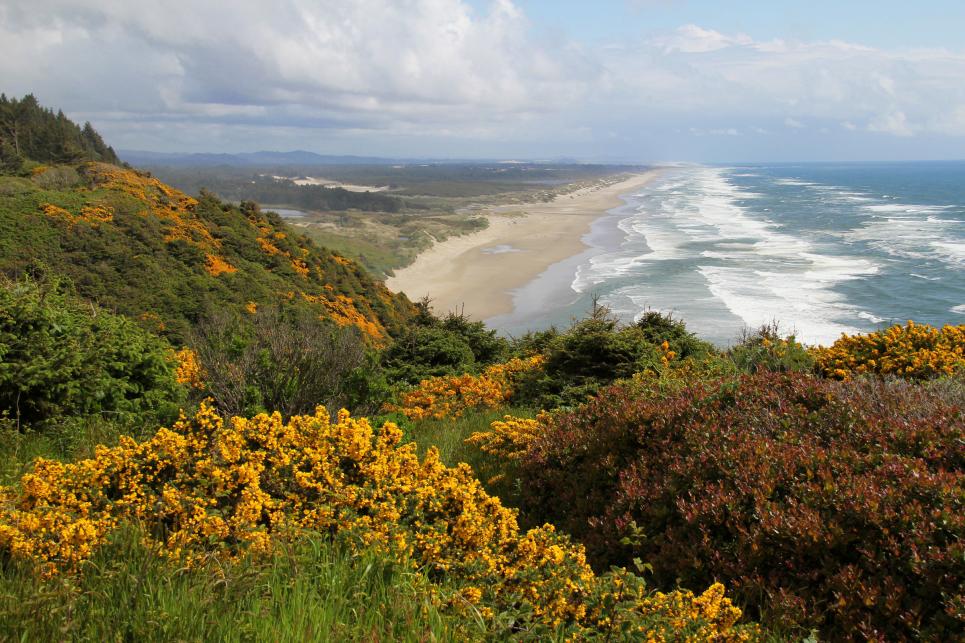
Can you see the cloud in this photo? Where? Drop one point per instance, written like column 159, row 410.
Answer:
column 699, row 72
column 892, row 123
column 365, row 62
column 440, row 75
column 692, row 39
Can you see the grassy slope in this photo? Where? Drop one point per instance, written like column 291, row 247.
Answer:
column 166, row 254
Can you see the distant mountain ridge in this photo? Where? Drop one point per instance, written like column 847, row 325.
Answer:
column 267, row 158
column 243, row 159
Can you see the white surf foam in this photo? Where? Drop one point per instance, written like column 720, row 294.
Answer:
column 912, row 232
column 755, row 269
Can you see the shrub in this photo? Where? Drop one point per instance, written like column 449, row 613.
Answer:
column 838, row 506
column 657, row 328
column 60, row 356
column 593, row 353
column 434, row 347
column 766, row 349
column 913, row 351
column 427, row 351
column 451, row 396
column 208, row 488
column 282, row 359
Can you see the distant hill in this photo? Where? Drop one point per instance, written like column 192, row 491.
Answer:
column 149, row 251
column 29, row 132
column 246, row 159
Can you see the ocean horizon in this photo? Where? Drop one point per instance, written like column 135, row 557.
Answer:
column 820, row 248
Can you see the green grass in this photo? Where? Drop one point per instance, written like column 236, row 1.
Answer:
column 449, row 436
column 66, row 439
column 312, row 591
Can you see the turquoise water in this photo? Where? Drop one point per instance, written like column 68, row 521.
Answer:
column 821, row 248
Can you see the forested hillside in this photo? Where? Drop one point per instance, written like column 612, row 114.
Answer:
column 29, row 132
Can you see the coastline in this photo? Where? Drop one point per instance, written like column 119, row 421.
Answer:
column 478, row 272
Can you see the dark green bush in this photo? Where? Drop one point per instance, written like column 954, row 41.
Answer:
column 657, row 327
column 595, row 352
column 60, row 356
column 432, row 347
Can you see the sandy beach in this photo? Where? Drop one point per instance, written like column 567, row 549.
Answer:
column 476, row 273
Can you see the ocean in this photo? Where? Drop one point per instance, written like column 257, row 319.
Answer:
column 820, row 248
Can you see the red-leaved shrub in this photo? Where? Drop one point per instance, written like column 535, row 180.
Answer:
column 822, row 504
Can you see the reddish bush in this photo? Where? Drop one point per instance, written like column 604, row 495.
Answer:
column 839, row 506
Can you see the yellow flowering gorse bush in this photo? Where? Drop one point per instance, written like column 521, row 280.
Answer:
column 451, row 395
column 915, row 351
column 207, row 487
column 188, row 370
column 510, row 437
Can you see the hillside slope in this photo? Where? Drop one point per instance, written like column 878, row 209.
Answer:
column 146, row 250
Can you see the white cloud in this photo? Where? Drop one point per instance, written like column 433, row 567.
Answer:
column 892, row 123
column 195, row 73
column 377, row 61
column 702, row 72
column 692, row 39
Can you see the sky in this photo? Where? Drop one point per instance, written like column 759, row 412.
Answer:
column 615, row 81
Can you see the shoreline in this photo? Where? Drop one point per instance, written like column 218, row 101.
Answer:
column 477, row 273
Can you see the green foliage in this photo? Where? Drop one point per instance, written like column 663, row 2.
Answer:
column 62, row 357
column 766, row 349
column 432, row 347
column 657, row 327
column 487, row 348
column 597, row 351
column 314, row 590
column 31, row 132
column 135, row 266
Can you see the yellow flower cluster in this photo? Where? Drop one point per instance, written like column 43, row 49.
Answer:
column 188, row 370
column 210, row 487
column 510, row 437
column 666, row 355
column 216, row 266
column 343, row 312
column 175, row 209
column 97, row 213
column 452, row 395
column 916, row 351
column 93, row 215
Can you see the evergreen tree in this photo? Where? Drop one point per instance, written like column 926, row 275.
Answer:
column 29, row 131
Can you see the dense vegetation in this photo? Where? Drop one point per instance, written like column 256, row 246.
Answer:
column 841, row 504
column 60, row 356
column 818, row 490
column 29, row 132
column 137, row 246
